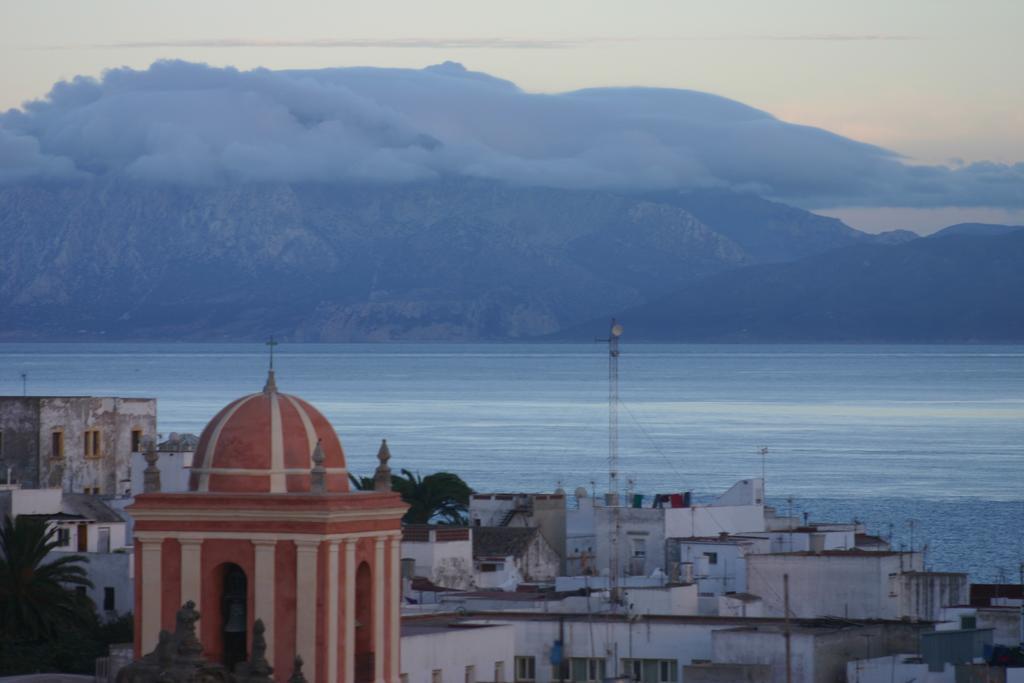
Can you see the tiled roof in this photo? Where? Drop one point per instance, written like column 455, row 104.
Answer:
column 502, row 541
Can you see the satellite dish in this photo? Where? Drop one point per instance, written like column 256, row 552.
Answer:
column 616, row 330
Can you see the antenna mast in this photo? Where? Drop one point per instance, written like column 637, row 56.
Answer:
column 612, row 498
column 613, row 408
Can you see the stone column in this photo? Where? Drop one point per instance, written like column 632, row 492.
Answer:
column 152, row 592
column 350, row 610
column 395, row 608
column 263, row 590
column 332, row 612
column 380, row 586
column 305, row 603
column 191, row 565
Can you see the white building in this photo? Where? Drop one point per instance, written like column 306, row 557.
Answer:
column 819, row 651
column 507, row 556
column 589, row 647
column 445, row 650
column 854, row 584
column 441, row 554
column 79, row 444
column 545, row 511
column 85, row 525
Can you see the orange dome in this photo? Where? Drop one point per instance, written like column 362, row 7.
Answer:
column 263, row 443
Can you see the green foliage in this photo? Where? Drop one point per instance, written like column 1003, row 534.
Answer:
column 441, row 498
column 37, row 600
column 46, row 625
column 361, row 483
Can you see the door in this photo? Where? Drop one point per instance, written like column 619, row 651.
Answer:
column 103, row 540
column 83, row 538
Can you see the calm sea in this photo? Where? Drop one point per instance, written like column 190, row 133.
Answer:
column 926, row 440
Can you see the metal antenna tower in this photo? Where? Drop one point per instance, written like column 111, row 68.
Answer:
column 612, row 498
column 613, row 408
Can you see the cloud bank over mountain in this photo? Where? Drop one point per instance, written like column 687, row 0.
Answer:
column 189, row 123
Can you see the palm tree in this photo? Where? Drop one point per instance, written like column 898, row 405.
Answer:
column 441, row 497
column 361, row 483
column 36, row 599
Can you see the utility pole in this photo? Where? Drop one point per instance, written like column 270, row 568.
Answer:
column 785, row 607
column 24, row 384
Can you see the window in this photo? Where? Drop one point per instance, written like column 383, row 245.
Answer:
column 136, row 441
column 586, row 669
column 108, row 598
column 492, row 566
column 470, row 674
column 968, row 621
column 639, row 548
column 63, row 537
column 526, row 668
column 499, row 672
column 57, row 444
column 92, row 443
column 712, row 558
column 103, row 540
column 651, row 670
column 436, row 676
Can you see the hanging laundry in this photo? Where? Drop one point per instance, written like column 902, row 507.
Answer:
column 638, row 500
column 677, row 500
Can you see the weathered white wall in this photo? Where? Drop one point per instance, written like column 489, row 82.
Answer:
column 1005, row 622
column 704, row 520
column 613, row 641
column 35, row 501
column 115, row 418
column 646, row 524
column 446, row 563
column 547, row 511
column 749, row 646
column 922, row 595
column 729, row 573
column 895, row 668
column 92, row 535
column 789, row 541
column 452, row 650
column 112, row 570
column 729, row 606
column 669, row 600
column 540, row 562
column 743, row 492
column 854, row 585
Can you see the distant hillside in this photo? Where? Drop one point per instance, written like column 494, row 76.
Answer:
column 957, row 289
column 767, row 231
column 449, row 260
column 977, row 229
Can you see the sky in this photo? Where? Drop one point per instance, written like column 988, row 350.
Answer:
column 936, row 81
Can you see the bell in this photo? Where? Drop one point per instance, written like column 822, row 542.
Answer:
column 235, row 621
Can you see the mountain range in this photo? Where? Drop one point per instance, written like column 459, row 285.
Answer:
column 467, row 259
column 952, row 287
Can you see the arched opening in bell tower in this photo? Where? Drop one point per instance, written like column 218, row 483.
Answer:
column 364, row 624
column 234, row 615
